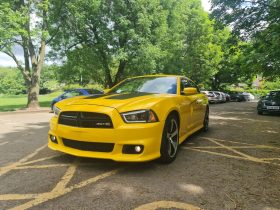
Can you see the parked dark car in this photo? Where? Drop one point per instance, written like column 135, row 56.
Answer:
column 227, row 97
column 237, row 96
column 269, row 103
column 73, row 93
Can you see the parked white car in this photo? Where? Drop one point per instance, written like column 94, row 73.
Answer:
column 248, row 96
column 212, row 97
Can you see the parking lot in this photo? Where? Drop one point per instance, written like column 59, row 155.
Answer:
column 235, row 165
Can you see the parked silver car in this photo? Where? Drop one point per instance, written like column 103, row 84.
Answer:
column 221, row 96
column 212, row 97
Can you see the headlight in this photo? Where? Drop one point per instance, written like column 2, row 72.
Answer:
column 56, row 111
column 140, row 116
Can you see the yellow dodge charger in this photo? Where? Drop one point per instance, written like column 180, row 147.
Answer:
column 140, row 119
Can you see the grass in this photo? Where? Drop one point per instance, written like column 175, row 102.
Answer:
column 14, row 102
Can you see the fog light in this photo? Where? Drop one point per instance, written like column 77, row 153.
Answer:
column 53, row 139
column 132, row 149
column 138, row 149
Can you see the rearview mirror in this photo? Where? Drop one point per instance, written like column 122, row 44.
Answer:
column 190, row 91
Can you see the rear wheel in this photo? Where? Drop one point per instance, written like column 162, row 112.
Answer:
column 170, row 140
column 206, row 120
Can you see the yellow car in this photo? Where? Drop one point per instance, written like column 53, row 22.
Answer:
column 140, row 119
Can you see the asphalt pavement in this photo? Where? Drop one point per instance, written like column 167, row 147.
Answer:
column 235, row 165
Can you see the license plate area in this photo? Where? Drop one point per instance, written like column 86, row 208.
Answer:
column 273, row 107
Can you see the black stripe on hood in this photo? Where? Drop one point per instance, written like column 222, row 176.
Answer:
column 128, row 95
column 95, row 96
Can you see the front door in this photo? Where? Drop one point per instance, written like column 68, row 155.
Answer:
column 190, row 108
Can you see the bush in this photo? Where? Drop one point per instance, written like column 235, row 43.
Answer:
column 11, row 81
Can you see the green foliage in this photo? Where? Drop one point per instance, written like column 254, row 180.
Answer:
column 275, row 85
column 234, row 67
column 106, row 41
column 81, row 68
column 49, row 78
column 11, row 81
column 90, row 86
column 25, row 26
column 192, row 43
column 257, row 22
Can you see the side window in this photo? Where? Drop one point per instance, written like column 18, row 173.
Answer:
column 72, row 94
column 67, row 95
column 76, row 93
column 194, row 85
column 185, row 83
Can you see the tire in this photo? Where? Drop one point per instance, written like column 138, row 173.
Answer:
column 206, row 120
column 170, row 140
column 260, row 112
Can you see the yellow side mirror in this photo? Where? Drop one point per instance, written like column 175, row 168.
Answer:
column 190, row 91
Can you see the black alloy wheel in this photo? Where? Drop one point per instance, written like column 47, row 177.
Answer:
column 170, row 140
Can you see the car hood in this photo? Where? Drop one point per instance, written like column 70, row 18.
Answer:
column 121, row 102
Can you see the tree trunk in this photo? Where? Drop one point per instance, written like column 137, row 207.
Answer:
column 120, row 72
column 107, row 71
column 33, row 92
column 215, row 83
column 34, row 85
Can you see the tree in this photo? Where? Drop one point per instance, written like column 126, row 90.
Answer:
column 203, row 45
column 25, row 25
column 49, row 78
column 115, row 39
column 81, row 68
column 257, row 22
column 118, row 33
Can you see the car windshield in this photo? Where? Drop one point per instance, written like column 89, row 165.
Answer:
column 273, row 95
column 147, row 85
column 93, row 91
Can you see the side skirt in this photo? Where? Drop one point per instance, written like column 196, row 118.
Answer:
column 183, row 138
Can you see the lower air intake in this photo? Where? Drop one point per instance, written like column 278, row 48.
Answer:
column 88, row 146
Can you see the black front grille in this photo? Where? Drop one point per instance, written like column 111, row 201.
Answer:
column 85, row 120
column 89, row 146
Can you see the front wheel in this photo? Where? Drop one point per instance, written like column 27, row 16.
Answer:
column 170, row 140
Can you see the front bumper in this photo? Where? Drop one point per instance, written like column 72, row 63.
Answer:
column 144, row 134
column 270, row 110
